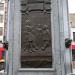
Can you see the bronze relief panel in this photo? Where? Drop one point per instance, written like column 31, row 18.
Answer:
column 36, row 35
column 36, row 40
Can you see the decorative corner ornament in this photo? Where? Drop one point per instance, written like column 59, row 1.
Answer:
column 5, row 45
column 68, row 42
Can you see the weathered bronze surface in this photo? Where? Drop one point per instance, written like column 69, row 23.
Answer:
column 36, row 33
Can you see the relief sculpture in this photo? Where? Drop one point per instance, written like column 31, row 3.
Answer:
column 36, row 38
column 36, row 41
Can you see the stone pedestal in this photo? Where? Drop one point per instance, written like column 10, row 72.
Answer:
column 38, row 37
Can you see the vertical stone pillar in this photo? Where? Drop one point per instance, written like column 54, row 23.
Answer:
column 68, row 53
column 59, row 22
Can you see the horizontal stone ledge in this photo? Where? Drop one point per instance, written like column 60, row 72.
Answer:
column 36, row 70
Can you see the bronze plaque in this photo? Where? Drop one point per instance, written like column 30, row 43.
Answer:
column 36, row 35
column 36, row 44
